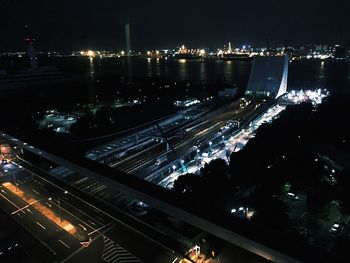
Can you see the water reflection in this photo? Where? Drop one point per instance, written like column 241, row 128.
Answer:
column 228, row 71
column 149, row 68
column 91, row 81
column 183, row 72
column 157, row 68
column 202, row 72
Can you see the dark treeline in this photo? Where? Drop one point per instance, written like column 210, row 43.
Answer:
column 283, row 158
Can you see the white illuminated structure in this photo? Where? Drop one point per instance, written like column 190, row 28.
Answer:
column 269, row 76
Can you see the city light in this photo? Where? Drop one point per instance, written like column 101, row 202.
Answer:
column 314, row 96
column 91, row 53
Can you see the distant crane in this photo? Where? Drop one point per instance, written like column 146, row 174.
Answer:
column 183, row 166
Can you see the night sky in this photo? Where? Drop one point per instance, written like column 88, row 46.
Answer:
column 99, row 24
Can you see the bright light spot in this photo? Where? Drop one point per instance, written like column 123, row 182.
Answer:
column 91, row 53
column 314, row 96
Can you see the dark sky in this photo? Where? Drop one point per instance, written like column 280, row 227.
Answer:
column 99, row 24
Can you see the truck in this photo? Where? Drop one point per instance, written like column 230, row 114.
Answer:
column 161, row 159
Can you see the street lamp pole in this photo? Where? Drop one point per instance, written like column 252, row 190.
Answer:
column 59, row 205
column 197, row 156
column 15, row 181
column 59, row 209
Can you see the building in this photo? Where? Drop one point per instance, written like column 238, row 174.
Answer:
column 268, row 77
column 228, row 93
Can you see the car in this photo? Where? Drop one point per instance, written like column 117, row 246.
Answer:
column 138, row 208
column 293, row 196
column 336, row 228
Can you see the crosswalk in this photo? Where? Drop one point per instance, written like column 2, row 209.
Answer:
column 113, row 253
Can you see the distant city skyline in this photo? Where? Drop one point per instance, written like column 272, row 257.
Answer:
column 67, row 25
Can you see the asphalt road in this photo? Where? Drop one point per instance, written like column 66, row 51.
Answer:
column 62, row 245
column 100, row 226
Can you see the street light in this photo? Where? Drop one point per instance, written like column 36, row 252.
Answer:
column 59, row 209
column 14, row 179
column 174, row 167
column 197, row 156
column 210, row 144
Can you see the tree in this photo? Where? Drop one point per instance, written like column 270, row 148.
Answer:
column 188, row 184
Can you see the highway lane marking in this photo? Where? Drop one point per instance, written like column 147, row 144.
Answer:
column 26, row 206
column 12, row 203
column 43, row 188
column 96, row 230
column 75, row 208
column 40, row 225
column 76, row 217
column 92, row 206
column 174, row 260
column 83, row 227
column 63, row 243
column 30, row 211
column 101, row 219
column 36, row 192
column 69, row 205
column 91, row 222
column 81, row 180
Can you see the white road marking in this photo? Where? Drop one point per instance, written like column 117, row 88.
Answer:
column 40, row 225
column 83, row 227
column 63, row 243
column 92, row 222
